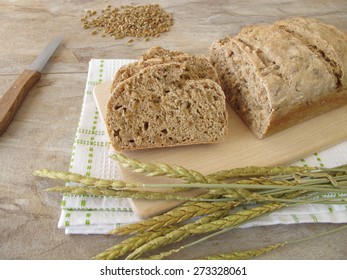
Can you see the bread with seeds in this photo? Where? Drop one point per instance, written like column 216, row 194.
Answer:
column 158, row 55
column 166, row 105
column 275, row 76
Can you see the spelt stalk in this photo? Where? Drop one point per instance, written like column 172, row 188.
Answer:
column 266, row 181
column 85, row 180
column 164, row 254
column 131, row 244
column 148, row 195
column 245, row 255
column 100, row 191
column 194, row 209
column 190, row 175
column 232, row 222
column 237, row 194
column 316, row 188
column 176, row 235
column 232, row 193
column 253, row 171
column 237, row 218
column 335, row 181
column 237, row 191
column 342, row 169
column 174, row 216
column 309, row 184
column 161, row 169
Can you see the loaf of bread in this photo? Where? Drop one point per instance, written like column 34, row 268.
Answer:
column 164, row 105
column 275, row 76
column 157, row 55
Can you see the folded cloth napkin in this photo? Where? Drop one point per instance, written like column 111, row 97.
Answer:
column 90, row 156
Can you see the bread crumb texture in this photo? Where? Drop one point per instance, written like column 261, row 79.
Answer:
column 166, row 100
column 275, row 76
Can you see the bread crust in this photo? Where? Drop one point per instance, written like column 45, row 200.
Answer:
column 303, row 112
column 301, row 69
column 326, row 37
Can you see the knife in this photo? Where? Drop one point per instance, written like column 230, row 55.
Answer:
column 15, row 95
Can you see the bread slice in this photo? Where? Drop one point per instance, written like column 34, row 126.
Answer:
column 238, row 71
column 274, row 77
column 157, row 55
column 166, row 105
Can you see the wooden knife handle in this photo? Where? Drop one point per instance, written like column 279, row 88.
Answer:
column 13, row 98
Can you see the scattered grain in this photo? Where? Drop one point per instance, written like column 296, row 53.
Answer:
column 133, row 21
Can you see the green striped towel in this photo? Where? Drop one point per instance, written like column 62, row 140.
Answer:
column 90, row 156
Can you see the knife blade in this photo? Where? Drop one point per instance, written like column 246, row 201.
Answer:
column 15, row 95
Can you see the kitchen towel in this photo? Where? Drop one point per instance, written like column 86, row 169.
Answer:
column 90, row 156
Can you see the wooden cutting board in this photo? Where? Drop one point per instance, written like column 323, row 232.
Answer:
column 240, row 149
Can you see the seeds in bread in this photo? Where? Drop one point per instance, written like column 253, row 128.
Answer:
column 274, row 79
column 165, row 105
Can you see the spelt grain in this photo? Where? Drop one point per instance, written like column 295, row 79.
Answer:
column 133, row 21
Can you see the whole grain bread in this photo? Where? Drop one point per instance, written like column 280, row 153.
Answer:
column 157, row 55
column 166, row 105
column 275, row 76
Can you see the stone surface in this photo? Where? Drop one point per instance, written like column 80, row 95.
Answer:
column 42, row 132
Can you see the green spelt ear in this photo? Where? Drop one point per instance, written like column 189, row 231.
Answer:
column 85, row 180
column 161, row 169
column 175, row 216
column 101, row 191
column 237, row 218
column 256, row 171
column 176, row 235
column 245, row 255
column 131, row 244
